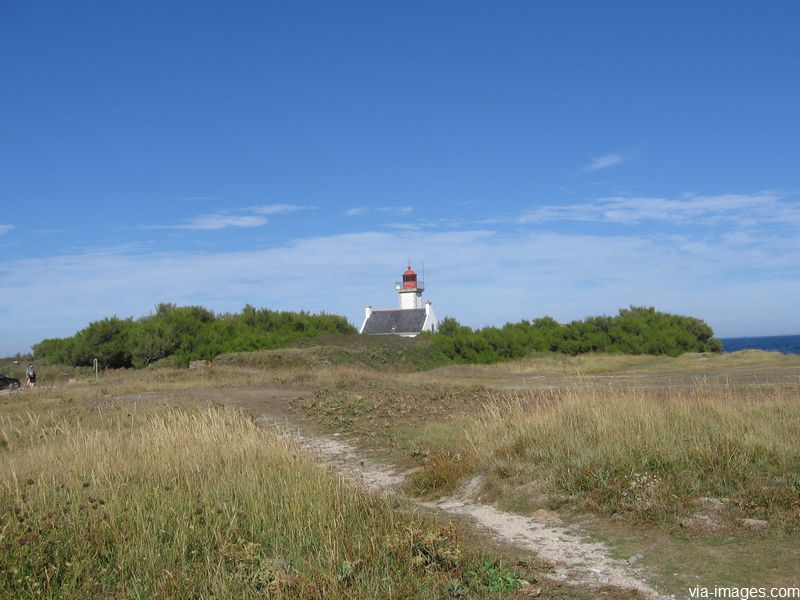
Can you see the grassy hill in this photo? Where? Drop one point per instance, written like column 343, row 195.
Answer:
column 383, row 353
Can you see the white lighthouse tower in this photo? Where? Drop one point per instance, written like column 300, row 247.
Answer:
column 412, row 318
column 410, row 290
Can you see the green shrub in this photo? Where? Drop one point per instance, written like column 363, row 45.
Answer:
column 185, row 333
column 635, row 330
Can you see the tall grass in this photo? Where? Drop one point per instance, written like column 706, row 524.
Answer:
column 204, row 505
column 646, row 452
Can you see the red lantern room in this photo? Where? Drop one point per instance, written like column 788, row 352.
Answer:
column 410, row 279
column 410, row 289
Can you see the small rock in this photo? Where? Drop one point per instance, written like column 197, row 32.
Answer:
column 754, row 523
column 698, row 521
column 532, row 592
column 634, row 559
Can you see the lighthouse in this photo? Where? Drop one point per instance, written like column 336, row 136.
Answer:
column 410, row 290
column 412, row 318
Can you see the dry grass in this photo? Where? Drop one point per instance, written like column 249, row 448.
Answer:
column 646, row 453
column 164, row 503
column 739, row 368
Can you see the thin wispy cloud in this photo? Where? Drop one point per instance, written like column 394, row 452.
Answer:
column 274, row 209
column 406, row 226
column 395, row 210
column 420, row 225
column 214, row 222
column 604, row 162
column 47, row 232
column 253, row 216
column 734, row 209
column 5, row 228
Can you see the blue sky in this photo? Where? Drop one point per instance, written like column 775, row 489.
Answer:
column 560, row 158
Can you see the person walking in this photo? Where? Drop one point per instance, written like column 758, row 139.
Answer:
column 30, row 376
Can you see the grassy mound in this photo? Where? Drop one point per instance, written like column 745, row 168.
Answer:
column 383, row 353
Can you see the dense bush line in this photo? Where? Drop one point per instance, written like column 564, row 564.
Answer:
column 192, row 332
column 185, row 333
column 636, row 330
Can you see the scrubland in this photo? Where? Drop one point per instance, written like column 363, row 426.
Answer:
column 158, row 483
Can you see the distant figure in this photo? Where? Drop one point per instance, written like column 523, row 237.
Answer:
column 30, row 376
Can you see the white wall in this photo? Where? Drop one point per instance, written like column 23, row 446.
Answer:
column 410, row 300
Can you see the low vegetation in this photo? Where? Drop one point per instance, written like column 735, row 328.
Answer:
column 125, row 485
column 176, row 335
column 375, row 353
column 648, row 455
column 636, row 330
column 183, row 334
column 166, row 503
column 638, row 437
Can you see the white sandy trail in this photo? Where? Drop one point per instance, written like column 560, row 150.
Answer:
column 575, row 560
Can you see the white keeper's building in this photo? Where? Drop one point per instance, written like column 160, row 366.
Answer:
column 412, row 318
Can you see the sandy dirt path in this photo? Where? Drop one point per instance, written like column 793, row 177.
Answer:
column 575, row 559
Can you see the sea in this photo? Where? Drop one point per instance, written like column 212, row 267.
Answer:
column 788, row 344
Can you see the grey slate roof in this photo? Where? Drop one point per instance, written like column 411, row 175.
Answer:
column 398, row 321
